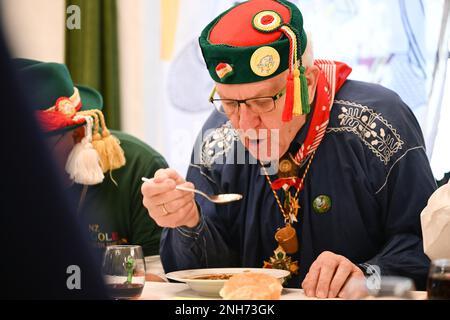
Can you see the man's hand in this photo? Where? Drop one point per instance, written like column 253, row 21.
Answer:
column 169, row 207
column 332, row 276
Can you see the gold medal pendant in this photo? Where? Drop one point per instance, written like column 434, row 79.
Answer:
column 280, row 260
column 287, row 236
column 287, row 168
column 291, row 208
column 287, row 239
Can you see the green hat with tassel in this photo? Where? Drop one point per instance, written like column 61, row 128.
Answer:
column 257, row 40
column 61, row 107
column 54, row 97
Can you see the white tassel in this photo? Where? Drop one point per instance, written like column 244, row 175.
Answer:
column 83, row 163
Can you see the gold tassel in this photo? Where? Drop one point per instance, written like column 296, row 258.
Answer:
column 107, row 146
column 115, row 154
column 297, row 94
column 99, row 144
column 100, row 147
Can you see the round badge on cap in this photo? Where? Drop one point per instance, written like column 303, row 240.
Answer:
column 267, row 21
column 224, row 70
column 265, row 61
column 285, row 166
column 322, row 204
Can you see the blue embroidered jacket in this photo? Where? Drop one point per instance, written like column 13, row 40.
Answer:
column 371, row 163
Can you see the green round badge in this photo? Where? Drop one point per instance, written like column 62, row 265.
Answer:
column 322, row 204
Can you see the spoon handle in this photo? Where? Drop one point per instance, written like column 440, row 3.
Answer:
column 182, row 188
column 191, row 190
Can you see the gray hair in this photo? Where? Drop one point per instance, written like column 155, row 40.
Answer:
column 308, row 55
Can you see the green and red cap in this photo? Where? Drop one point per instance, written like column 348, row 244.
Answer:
column 255, row 41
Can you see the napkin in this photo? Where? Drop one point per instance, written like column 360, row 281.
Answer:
column 435, row 219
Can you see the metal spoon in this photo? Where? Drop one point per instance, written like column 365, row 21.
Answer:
column 218, row 198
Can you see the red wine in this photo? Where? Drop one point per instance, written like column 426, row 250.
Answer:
column 125, row 290
column 439, row 286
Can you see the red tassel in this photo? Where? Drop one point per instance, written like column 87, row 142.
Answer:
column 289, row 103
column 53, row 120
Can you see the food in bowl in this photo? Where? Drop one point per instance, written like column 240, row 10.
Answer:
column 219, row 276
column 211, row 288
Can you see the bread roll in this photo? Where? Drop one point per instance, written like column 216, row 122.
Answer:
column 252, row 286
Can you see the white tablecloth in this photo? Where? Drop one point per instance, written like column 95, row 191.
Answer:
column 180, row 291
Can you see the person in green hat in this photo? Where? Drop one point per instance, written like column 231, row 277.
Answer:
column 99, row 167
column 333, row 172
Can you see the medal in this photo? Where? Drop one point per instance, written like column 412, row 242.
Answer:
column 280, row 260
column 287, row 167
column 291, row 207
column 287, row 236
column 265, row 61
column 287, row 239
column 322, row 204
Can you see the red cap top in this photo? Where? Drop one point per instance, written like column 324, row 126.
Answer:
column 236, row 29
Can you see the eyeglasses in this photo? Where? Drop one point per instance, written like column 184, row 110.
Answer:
column 258, row 105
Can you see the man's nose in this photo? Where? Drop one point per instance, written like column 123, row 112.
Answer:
column 247, row 118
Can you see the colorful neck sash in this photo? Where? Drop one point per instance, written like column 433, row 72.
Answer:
column 332, row 76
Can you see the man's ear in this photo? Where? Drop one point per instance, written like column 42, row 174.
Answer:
column 312, row 76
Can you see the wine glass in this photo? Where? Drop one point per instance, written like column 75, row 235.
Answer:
column 123, row 270
column 438, row 286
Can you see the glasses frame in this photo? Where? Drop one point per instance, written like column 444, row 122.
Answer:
column 274, row 98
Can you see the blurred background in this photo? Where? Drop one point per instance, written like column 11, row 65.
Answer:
column 143, row 56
